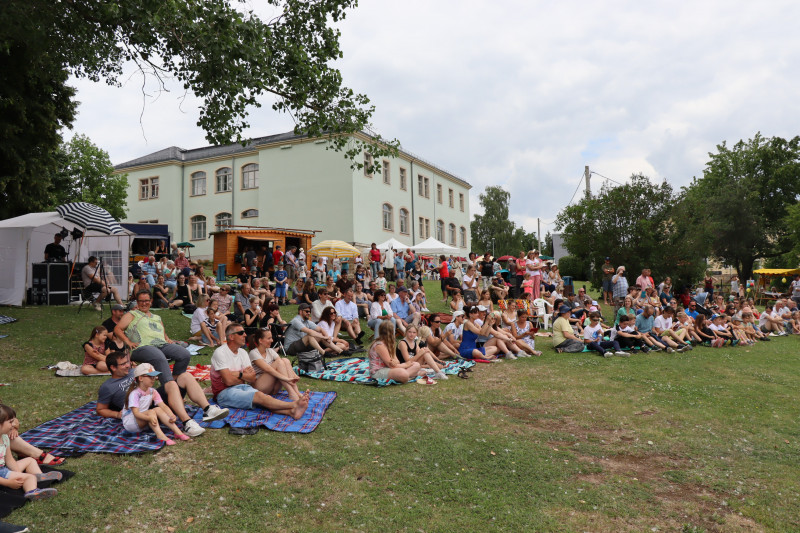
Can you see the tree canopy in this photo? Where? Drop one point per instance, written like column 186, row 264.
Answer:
column 493, row 231
column 743, row 206
column 225, row 55
column 633, row 225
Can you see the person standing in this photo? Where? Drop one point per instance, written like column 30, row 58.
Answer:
column 374, row 260
column 608, row 286
column 54, row 251
column 388, row 264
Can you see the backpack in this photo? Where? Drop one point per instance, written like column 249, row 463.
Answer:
column 311, row 361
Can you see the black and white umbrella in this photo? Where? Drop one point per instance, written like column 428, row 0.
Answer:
column 90, row 216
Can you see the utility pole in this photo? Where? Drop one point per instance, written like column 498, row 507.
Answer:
column 539, row 233
column 587, row 176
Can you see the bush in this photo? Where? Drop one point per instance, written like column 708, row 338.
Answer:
column 574, row 266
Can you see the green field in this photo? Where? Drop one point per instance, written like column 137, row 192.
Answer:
column 701, row 441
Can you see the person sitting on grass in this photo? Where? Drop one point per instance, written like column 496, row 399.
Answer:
column 644, row 325
column 738, row 331
column 522, row 330
column 702, row 330
column 503, row 339
column 454, row 331
column 329, row 326
column 485, row 299
column 668, row 331
column 347, row 310
column 273, row 372
column 144, row 406
column 254, row 316
column 383, row 363
column 95, row 351
column 627, row 336
column 410, row 349
column 686, row 323
column 593, row 338
column 24, row 449
column 24, row 473
column 433, row 338
column 564, row 338
column 233, row 379
column 720, row 329
column 302, row 334
column 473, row 329
column 751, row 327
column 210, row 330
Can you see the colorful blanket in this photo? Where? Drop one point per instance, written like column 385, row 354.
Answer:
column 7, row 319
column 82, row 430
column 356, row 370
column 250, row 418
column 200, row 372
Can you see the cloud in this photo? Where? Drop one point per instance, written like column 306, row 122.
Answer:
column 524, row 94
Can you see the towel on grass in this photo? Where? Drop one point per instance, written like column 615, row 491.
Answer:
column 83, row 430
column 356, row 370
column 250, row 418
column 7, row 319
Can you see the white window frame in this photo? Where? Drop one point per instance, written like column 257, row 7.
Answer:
column 403, row 218
column 403, row 179
column 250, row 213
column 440, row 230
column 225, row 218
column 198, row 224
column 148, row 188
column 387, row 217
column 221, row 175
column 198, row 183
column 250, row 176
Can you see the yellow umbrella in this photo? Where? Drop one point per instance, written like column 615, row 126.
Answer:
column 334, row 249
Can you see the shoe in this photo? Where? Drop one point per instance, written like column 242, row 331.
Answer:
column 735, row 342
column 49, row 476
column 782, row 334
column 681, row 349
column 55, row 461
column 440, row 375
column 645, row 350
column 98, row 307
column 40, row 494
column 606, row 354
column 170, row 442
column 183, row 437
column 669, row 349
column 622, row 354
column 689, row 347
column 773, row 334
column 192, row 428
column 655, row 350
column 511, row 356
column 214, row 413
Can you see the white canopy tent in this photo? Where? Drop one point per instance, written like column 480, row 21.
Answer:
column 394, row 244
column 22, row 243
column 432, row 246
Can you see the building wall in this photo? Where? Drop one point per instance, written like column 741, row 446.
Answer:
column 301, row 185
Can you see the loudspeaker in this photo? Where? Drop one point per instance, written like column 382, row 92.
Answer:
column 50, row 284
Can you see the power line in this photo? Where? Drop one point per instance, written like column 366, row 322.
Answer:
column 576, row 190
column 609, row 179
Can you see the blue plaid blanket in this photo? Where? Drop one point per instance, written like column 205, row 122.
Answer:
column 356, row 370
column 82, row 430
column 249, row 418
column 7, row 319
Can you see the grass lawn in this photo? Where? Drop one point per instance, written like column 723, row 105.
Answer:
column 701, row 441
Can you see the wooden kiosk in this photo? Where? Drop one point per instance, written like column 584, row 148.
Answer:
column 231, row 243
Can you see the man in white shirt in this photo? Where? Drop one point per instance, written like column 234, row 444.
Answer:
column 319, row 306
column 233, row 377
column 662, row 326
column 388, row 264
column 347, row 311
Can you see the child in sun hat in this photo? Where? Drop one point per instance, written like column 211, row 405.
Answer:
column 144, row 406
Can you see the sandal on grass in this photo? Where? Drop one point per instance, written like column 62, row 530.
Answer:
column 55, row 461
column 463, row 374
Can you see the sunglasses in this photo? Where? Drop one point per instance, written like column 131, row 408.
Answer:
column 238, row 333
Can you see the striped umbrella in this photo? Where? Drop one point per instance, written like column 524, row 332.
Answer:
column 90, row 216
column 334, row 249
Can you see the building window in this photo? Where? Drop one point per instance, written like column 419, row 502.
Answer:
column 440, row 231
column 225, row 179
column 451, row 197
column 250, row 213
column 367, row 164
column 404, row 221
column 424, row 227
column 387, row 217
column 403, row 185
column 198, row 227
column 451, row 235
column 439, row 193
column 198, row 183
column 387, row 176
column 461, row 200
column 250, row 176
column 223, row 220
column 148, row 188
column 423, row 184
column 462, row 236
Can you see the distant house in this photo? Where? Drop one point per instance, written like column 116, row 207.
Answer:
column 291, row 181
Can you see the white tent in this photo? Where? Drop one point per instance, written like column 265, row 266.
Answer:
column 432, row 246
column 22, row 243
column 392, row 243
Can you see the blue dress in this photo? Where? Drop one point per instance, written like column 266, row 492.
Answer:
column 468, row 344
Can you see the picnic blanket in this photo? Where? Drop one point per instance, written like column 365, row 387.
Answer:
column 82, row 430
column 356, row 370
column 200, row 372
column 252, row 418
column 7, row 319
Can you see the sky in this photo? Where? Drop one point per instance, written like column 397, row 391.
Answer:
column 525, row 94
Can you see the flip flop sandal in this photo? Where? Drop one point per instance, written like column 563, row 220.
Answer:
column 56, row 461
column 463, row 374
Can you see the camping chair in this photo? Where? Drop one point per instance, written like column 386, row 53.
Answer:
column 278, row 337
column 87, row 297
column 540, row 313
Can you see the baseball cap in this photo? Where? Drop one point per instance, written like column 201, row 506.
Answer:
column 145, row 369
column 303, row 307
column 482, row 308
column 564, row 309
column 458, row 313
column 117, row 307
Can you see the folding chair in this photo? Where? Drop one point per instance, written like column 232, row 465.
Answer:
column 279, row 337
column 540, row 313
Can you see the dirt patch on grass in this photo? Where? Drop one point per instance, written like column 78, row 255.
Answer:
column 540, row 419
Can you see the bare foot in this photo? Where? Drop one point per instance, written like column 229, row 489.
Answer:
column 300, row 406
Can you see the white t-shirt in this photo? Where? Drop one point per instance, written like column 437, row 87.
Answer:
column 198, row 317
column 224, row 358
column 317, row 308
column 326, row 328
column 270, row 357
column 467, row 283
column 714, row 327
column 457, row 331
column 662, row 323
column 593, row 333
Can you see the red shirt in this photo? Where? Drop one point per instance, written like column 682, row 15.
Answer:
column 444, row 270
column 375, row 255
column 277, row 255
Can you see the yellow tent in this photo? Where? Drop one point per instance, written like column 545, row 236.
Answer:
column 777, row 271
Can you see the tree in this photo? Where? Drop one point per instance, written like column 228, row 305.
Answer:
column 226, row 56
column 548, row 245
column 743, row 204
column 633, row 225
column 493, row 231
column 85, row 174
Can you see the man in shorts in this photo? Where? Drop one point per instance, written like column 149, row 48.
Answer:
column 302, row 334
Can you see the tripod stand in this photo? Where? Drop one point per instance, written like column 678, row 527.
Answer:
column 87, row 295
